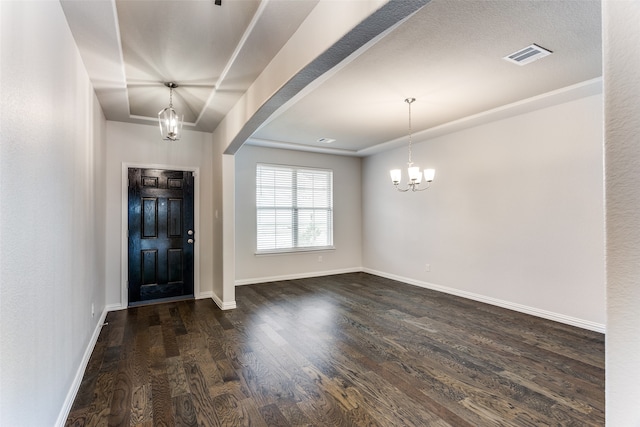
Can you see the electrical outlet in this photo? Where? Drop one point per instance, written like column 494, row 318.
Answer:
column 427, row 267
column 93, row 310
column 319, row 258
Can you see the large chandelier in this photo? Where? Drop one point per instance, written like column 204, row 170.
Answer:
column 415, row 175
column 170, row 122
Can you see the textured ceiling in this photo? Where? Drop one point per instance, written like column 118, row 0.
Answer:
column 448, row 55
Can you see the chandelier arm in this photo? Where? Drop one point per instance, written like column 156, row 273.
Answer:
column 426, row 187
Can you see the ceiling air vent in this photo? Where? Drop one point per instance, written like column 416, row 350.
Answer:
column 325, row 140
column 528, row 54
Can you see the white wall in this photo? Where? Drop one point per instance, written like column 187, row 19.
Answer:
column 622, row 153
column 52, row 214
column 514, row 216
column 347, row 214
column 140, row 144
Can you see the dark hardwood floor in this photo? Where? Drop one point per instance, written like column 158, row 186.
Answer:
column 346, row 350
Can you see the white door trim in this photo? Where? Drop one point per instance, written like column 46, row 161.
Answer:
column 124, row 239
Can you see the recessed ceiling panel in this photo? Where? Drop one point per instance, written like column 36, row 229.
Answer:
column 188, row 42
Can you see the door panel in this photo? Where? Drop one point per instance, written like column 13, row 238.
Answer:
column 160, row 246
column 149, row 217
column 175, row 266
column 175, row 217
column 149, row 267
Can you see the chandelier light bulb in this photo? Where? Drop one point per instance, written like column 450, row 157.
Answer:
column 414, row 174
column 429, row 174
column 396, row 175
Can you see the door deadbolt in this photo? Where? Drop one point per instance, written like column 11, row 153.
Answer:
column 190, row 232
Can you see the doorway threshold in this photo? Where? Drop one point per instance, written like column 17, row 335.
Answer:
column 161, row 300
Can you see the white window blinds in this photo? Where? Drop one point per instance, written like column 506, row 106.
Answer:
column 294, row 208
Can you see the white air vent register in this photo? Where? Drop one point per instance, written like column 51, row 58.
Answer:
column 528, row 54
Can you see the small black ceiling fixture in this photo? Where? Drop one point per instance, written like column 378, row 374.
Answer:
column 218, row 2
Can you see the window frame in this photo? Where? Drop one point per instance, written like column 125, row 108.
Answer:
column 295, row 208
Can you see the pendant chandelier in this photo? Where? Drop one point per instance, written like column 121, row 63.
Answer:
column 415, row 175
column 170, row 122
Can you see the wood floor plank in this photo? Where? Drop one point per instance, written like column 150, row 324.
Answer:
column 178, row 325
column 162, row 402
column 85, row 394
column 120, row 411
column 185, row 412
column 264, row 387
column 141, row 406
column 171, row 348
column 98, row 411
column 250, row 415
column 207, row 365
column 235, row 388
column 412, row 388
column 273, row 417
column 141, row 357
column 155, row 335
column 293, row 414
column 77, row 418
column 176, row 376
column 345, row 350
column 228, row 409
column 202, row 402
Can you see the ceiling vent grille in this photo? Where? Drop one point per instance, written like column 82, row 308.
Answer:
column 528, row 54
column 325, row 140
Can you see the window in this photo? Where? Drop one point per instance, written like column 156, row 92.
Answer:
column 294, row 208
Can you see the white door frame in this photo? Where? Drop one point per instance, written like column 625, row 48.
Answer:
column 124, row 239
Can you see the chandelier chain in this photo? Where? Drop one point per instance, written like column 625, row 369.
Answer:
column 410, row 101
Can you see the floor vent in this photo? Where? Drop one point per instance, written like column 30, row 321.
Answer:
column 528, row 54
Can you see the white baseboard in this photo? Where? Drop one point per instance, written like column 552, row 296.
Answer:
column 230, row 305
column 307, row 275
column 114, row 307
column 204, row 295
column 222, row 305
column 75, row 385
column 573, row 321
column 557, row 317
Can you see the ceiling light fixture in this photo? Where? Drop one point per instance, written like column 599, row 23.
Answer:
column 170, row 122
column 415, row 175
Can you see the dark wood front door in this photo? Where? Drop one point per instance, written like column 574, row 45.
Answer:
column 161, row 235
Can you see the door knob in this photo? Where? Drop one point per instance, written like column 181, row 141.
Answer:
column 190, row 241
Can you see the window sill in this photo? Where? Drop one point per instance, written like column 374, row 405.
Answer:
column 292, row 251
